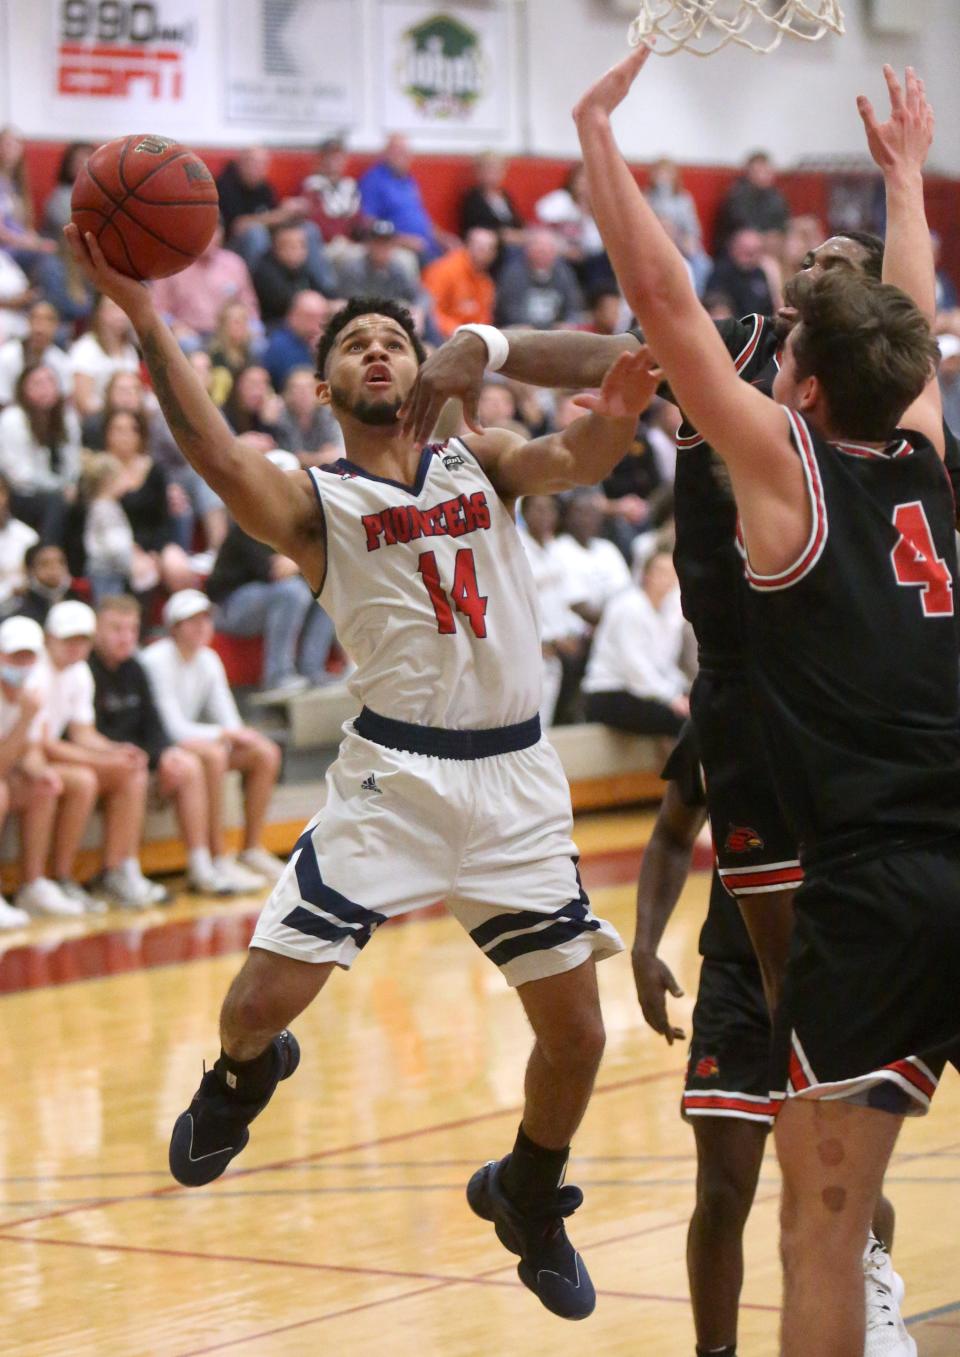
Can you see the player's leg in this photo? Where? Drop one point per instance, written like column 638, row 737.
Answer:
column 833, row 1156
column 769, row 921
column 729, row 1156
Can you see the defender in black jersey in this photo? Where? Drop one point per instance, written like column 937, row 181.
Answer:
column 726, row 1096
column 847, row 524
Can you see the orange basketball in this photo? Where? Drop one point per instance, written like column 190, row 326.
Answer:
column 151, row 203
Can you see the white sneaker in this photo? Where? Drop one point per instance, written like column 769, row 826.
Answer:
column 126, row 888
column 263, row 863
column 10, row 916
column 887, row 1334
column 43, row 898
column 203, row 879
column 90, row 904
column 240, row 878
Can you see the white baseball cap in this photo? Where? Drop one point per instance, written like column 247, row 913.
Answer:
column 286, row 461
column 70, row 618
column 20, row 633
column 949, row 345
column 186, row 603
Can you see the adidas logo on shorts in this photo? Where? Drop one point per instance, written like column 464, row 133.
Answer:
column 369, row 784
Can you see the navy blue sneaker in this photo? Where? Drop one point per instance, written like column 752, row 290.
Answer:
column 213, row 1130
column 549, row 1264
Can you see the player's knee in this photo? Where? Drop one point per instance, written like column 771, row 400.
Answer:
column 576, row 1046
column 723, row 1198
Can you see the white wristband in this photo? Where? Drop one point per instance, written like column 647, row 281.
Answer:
column 498, row 345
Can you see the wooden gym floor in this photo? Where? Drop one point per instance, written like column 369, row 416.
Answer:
column 343, row 1227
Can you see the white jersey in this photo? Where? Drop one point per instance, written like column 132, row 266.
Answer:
column 431, row 593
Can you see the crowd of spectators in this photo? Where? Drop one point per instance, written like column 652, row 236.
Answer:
column 98, row 505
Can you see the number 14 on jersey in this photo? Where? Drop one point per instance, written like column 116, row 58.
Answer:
column 464, row 593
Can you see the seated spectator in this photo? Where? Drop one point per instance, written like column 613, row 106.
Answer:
column 253, row 407
column 56, row 210
column 741, row 277
column 106, row 348
column 249, row 205
column 191, row 301
column 285, row 269
column 48, row 581
column 15, row 538
column 115, row 774
column 596, row 564
column 607, row 309
column 127, row 714
column 305, row 427
column 538, row 288
column 567, row 212
column 377, row 269
column 332, row 198
column 460, row 284
column 636, row 498
column 16, row 298
column 232, row 348
column 38, row 345
column 259, row 593
column 949, row 375
column 389, row 192
column 662, row 421
column 40, row 451
column 561, row 634
column 803, row 235
column 634, row 681
column 149, row 503
column 676, row 208
column 28, row 785
column 16, row 209
column 107, row 535
column 489, row 205
column 752, row 202
column 294, row 343
column 199, row 714
column 496, row 404
column 61, row 282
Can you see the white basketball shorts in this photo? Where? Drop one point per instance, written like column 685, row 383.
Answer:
column 488, row 836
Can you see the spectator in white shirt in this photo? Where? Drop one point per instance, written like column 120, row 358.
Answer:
column 197, row 708
column 634, row 681
column 40, row 451
column 561, row 633
column 116, row 773
column 29, row 788
column 106, row 348
column 15, row 538
column 595, row 563
column 37, row 346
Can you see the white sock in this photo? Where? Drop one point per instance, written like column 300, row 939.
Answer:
column 199, row 860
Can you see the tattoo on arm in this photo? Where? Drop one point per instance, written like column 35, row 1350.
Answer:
column 186, row 434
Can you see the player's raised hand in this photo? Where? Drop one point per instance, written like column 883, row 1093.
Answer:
column 612, row 88
column 628, row 388
column 455, row 370
column 654, row 981
column 903, row 141
column 126, row 292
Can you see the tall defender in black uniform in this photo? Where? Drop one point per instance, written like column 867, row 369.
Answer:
column 848, row 532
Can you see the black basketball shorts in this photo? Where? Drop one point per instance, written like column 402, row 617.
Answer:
column 871, row 1002
column 756, row 851
column 728, row 1071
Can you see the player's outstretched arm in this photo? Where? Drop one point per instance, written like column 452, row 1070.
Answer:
column 587, row 450
column 561, row 358
column 747, row 429
column 663, row 872
column 274, row 506
column 900, row 147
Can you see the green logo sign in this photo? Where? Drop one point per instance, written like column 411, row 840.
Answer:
column 442, row 68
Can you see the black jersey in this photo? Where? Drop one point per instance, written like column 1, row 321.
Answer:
column 708, row 564
column 854, row 651
column 724, row 935
column 951, row 460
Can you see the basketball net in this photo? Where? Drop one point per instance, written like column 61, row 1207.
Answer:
column 704, row 26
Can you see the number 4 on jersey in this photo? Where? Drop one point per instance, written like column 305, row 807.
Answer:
column 916, row 563
column 464, row 593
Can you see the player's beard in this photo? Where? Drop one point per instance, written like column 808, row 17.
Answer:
column 378, row 413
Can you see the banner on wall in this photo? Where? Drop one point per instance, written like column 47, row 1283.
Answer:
column 118, row 65
column 292, row 62
column 445, row 68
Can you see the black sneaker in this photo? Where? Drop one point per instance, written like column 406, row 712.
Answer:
column 549, row 1264
column 213, row 1130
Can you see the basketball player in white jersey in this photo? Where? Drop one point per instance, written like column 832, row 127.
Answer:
column 443, row 788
